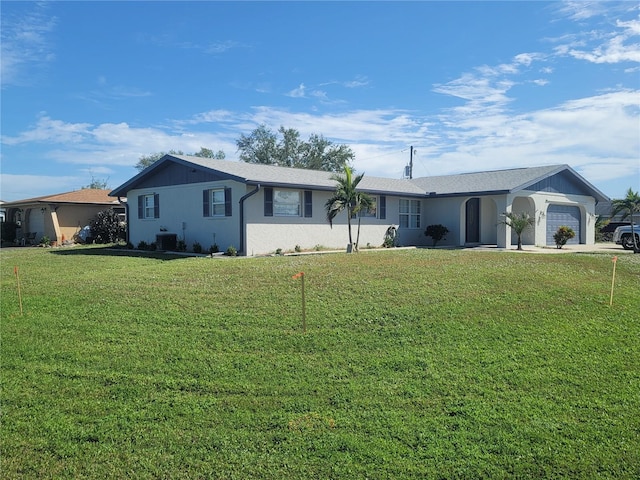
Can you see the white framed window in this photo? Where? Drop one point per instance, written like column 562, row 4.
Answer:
column 217, row 202
column 409, row 213
column 149, row 206
column 286, row 203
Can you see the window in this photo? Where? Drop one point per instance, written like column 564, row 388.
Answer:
column 409, row 213
column 286, row 203
column 371, row 212
column 216, row 202
column 149, row 206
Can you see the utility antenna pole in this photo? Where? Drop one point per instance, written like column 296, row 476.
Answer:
column 411, row 163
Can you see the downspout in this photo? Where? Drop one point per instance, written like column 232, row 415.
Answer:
column 126, row 217
column 242, row 239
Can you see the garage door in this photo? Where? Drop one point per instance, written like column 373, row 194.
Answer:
column 558, row 215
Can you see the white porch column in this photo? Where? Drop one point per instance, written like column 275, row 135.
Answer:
column 504, row 232
column 540, row 226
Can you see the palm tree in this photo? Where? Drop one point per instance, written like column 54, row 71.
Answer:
column 627, row 207
column 364, row 202
column 346, row 197
column 519, row 223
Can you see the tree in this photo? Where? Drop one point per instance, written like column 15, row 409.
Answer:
column 627, row 207
column 207, row 153
column 286, row 149
column 346, row 197
column 147, row 160
column 97, row 184
column 364, row 202
column 519, row 223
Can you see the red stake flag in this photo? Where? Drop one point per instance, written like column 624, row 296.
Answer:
column 298, row 275
column 615, row 259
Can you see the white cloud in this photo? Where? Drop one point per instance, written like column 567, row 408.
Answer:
column 297, row 92
column 26, row 46
column 599, row 45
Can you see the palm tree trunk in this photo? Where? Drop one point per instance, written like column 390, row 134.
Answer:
column 349, row 226
column 519, row 242
column 358, row 234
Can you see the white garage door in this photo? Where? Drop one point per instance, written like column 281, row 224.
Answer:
column 559, row 215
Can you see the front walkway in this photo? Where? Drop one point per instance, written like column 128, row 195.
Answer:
column 609, row 247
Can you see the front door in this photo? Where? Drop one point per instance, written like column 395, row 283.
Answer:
column 473, row 221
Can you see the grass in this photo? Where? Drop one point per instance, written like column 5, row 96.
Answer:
column 415, row 364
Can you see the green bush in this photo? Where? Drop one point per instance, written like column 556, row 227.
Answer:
column 214, row 248
column 106, row 227
column 436, row 232
column 563, row 235
column 231, row 251
column 197, row 248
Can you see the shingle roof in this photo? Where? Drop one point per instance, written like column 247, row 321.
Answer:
column 86, row 195
column 498, row 181
column 272, row 175
column 483, row 182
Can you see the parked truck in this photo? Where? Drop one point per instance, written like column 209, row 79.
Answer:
column 623, row 236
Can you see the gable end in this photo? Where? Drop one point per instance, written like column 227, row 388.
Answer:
column 175, row 174
column 562, row 182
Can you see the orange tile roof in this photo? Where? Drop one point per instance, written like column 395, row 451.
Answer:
column 86, row 195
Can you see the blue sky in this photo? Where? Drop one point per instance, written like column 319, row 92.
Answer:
column 89, row 87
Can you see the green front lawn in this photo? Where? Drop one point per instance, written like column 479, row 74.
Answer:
column 415, row 364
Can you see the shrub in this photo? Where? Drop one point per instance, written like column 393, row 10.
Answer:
column 181, row 246
column 278, row 251
column 298, row 248
column 436, row 232
column 563, row 235
column 214, row 248
column 197, row 248
column 231, row 251
column 46, row 241
column 107, row 227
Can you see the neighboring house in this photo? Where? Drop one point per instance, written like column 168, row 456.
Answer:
column 58, row 217
column 260, row 208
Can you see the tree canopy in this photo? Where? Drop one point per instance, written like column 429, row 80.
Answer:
column 147, row 160
column 286, row 149
column 97, row 184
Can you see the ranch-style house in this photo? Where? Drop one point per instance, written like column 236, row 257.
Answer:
column 258, row 209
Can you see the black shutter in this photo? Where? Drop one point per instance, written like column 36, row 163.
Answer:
column 156, row 205
column 308, row 204
column 140, row 206
column 227, row 202
column 206, row 195
column 382, row 208
column 268, row 202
